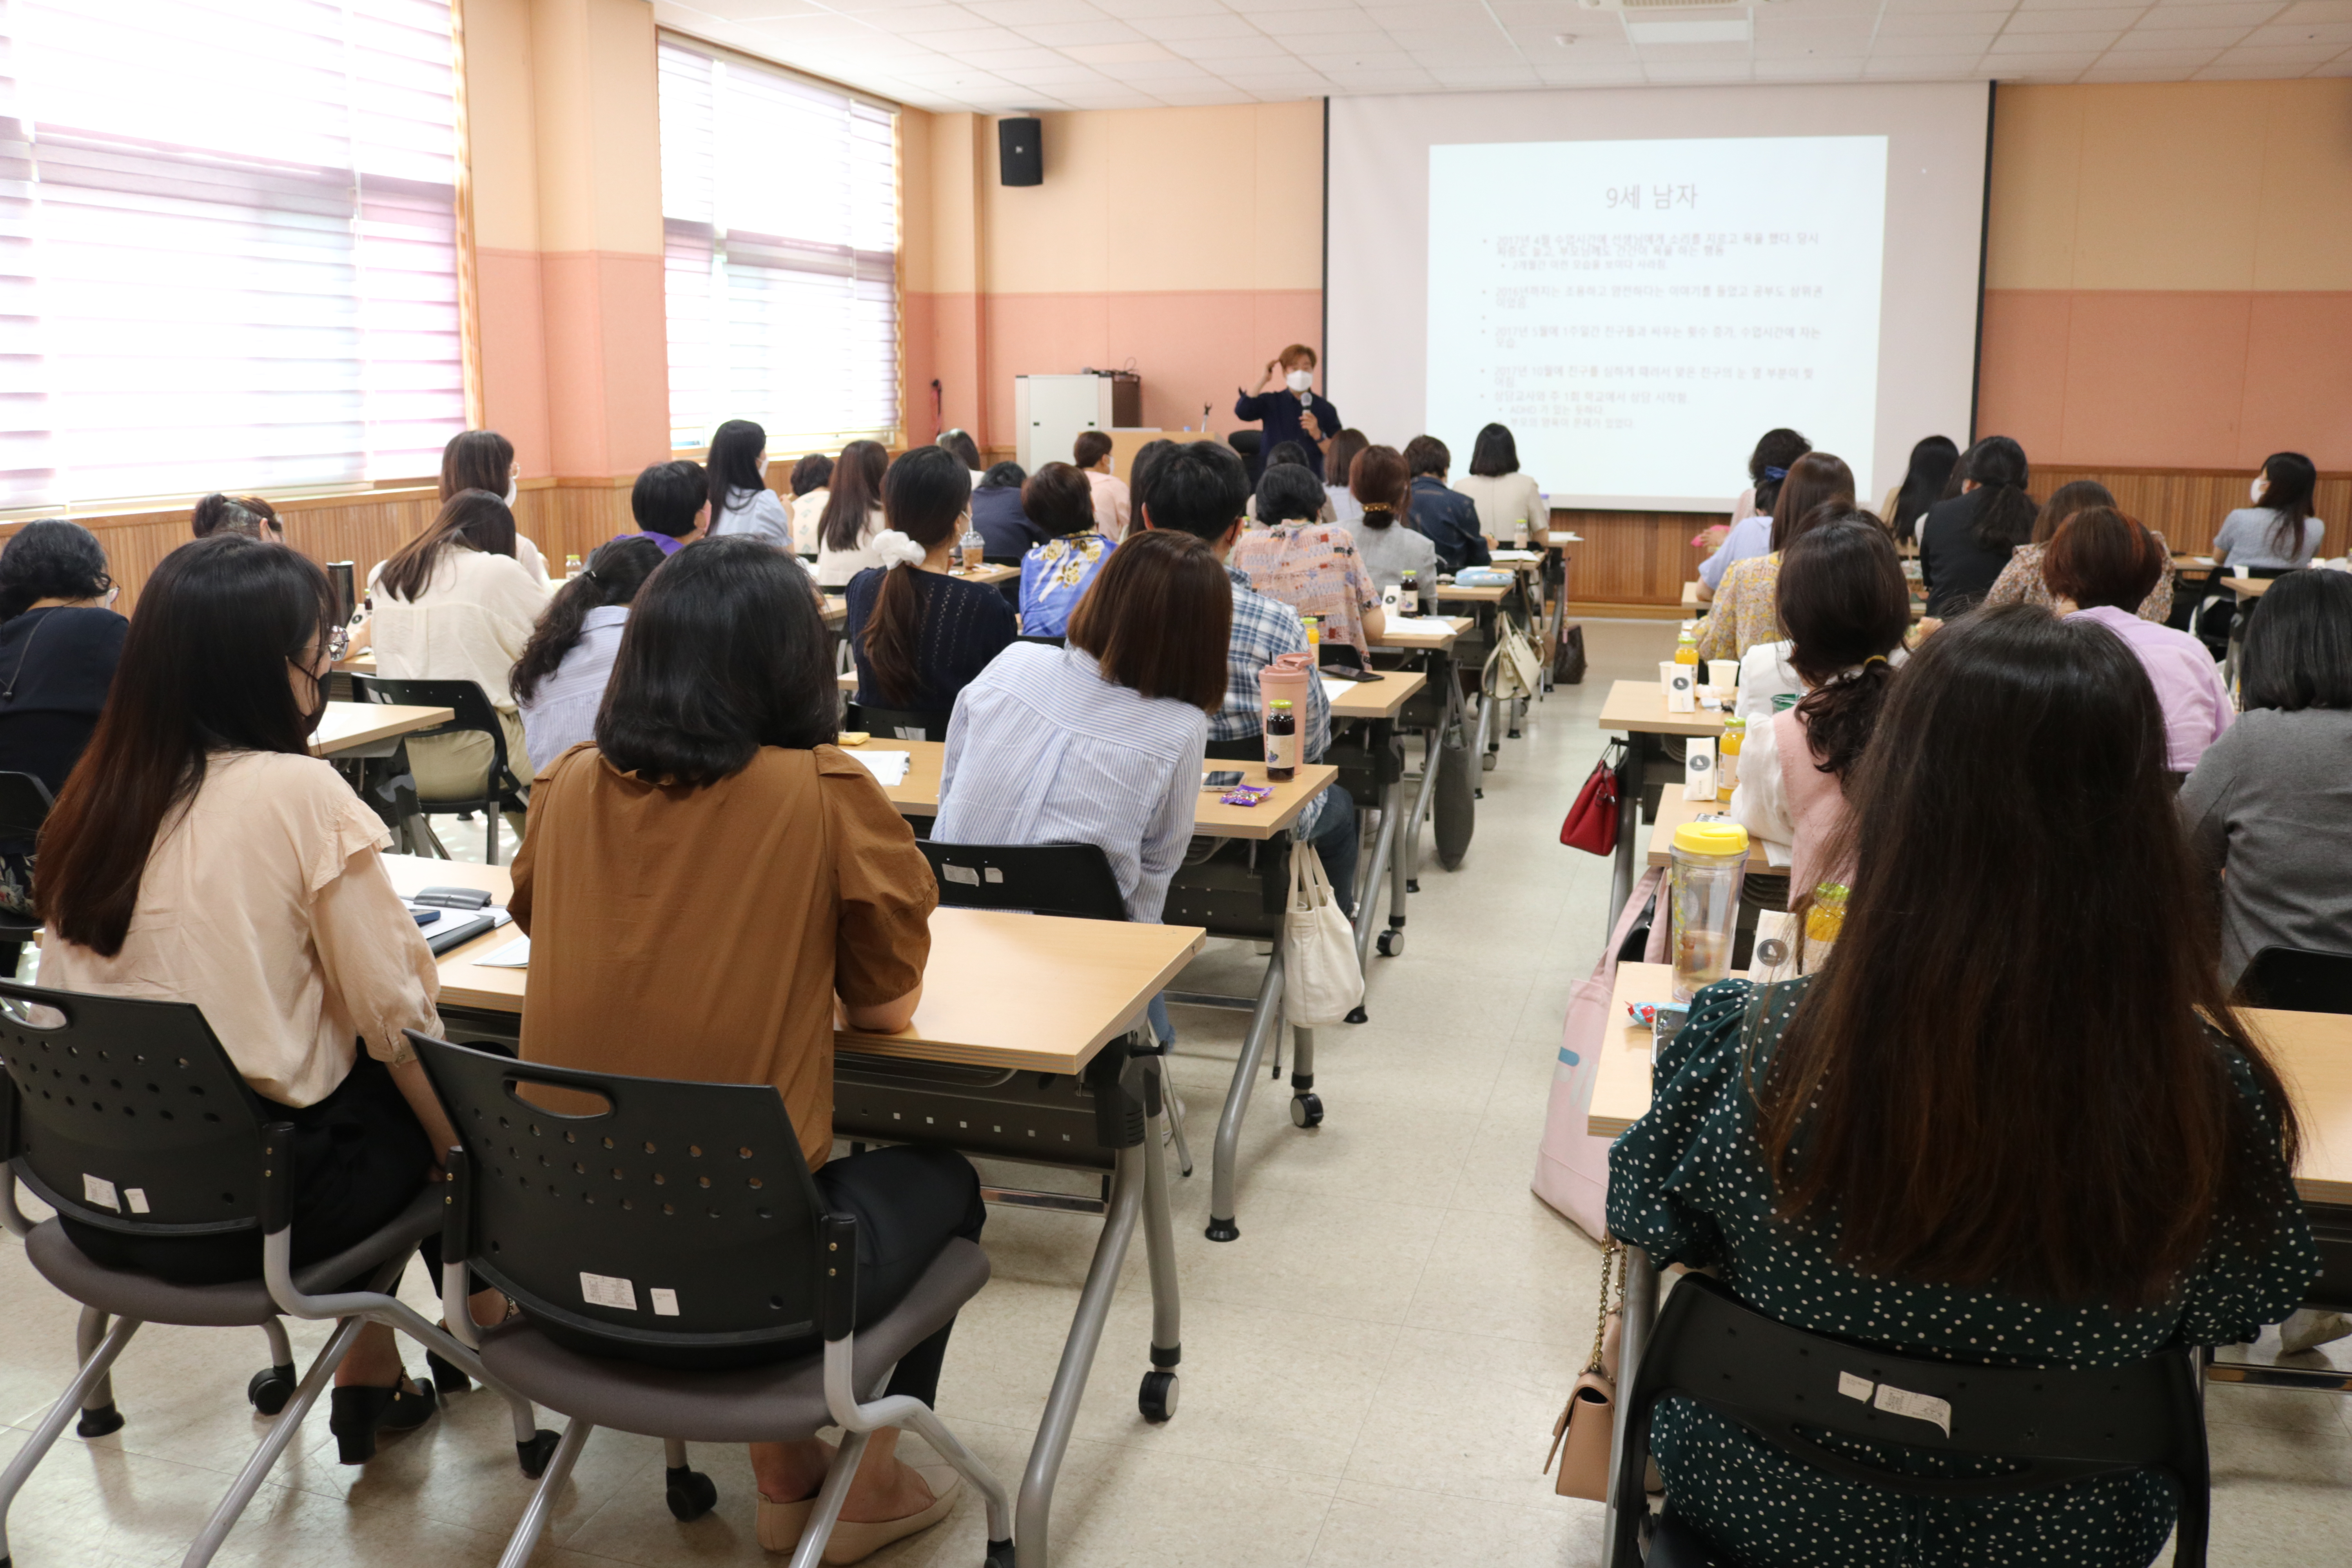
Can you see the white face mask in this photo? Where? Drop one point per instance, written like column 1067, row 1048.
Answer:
column 513, row 489
column 1299, row 380
column 2258, row 489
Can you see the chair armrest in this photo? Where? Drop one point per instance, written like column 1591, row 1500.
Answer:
column 836, row 1313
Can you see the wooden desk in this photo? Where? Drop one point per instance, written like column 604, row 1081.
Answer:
column 837, row 609
column 1561, row 539
column 1674, row 811
column 984, row 573
column 360, row 663
column 2251, row 588
column 1690, row 598
column 1025, row 992
column 348, row 725
column 1639, row 707
column 920, row 794
column 1414, row 640
column 1377, row 696
column 1472, row 594
column 2313, row 1050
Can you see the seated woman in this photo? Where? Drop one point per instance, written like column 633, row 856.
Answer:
column 454, row 605
column 1101, row 741
column 558, row 681
column 1338, row 473
column 201, row 854
column 59, row 643
column 1818, row 487
column 741, row 501
column 1846, row 606
column 485, row 460
column 997, row 510
column 2099, row 566
column 2020, row 581
column 852, row 515
column 1309, row 566
column 1383, row 497
column 1059, row 499
column 2060, row 1148
column 248, row 515
column 2278, row 531
column 715, row 806
column 918, row 635
column 810, row 476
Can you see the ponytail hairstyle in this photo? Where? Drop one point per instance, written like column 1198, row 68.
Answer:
column 1812, row 480
column 1378, row 480
column 204, row 669
column 2292, row 478
column 856, row 489
column 1845, row 606
column 477, row 460
column 2005, row 517
column 613, row 574
column 248, row 515
column 476, row 518
column 736, row 448
column 1776, row 453
column 925, row 495
column 1345, row 447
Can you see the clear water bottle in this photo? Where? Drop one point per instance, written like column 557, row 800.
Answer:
column 1710, row 861
column 571, row 567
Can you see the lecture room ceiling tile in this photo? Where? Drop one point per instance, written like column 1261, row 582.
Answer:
column 1002, row 57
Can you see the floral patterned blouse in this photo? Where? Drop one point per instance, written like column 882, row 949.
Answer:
column 1689, row 1183
column 1055, row 576
column 1746, row 609
column 2021, row 582
column 1313, row 567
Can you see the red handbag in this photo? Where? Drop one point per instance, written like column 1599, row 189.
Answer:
column 1592, row 823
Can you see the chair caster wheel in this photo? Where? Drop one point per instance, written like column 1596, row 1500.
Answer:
column 999, row 1555
column 533, row 1456
column 1513, row 734
column 1223, row 1230
column 1413, row 884
column 269, row 1389
column 99, row 1422
column 1488, row 762
column 1306, row 1110
column 1389, row 943
column 689, row 1493
column 1158, row 1398
column 1356, row 1015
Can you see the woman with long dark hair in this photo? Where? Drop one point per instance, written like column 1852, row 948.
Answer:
column 2278, row 529
column 558, row 680
column 1932, row 457
column 715, row 802
column 1967, row 540
column 485, row 460
column 919, row 635
column 852, row 514
column 1845, row 606
column 1345, row 448
column 60, row 640
column 2000, row 1125
column 741, row 501
column 1817, row 488
column 453, row 604
column 811, row 477
column 200, row 854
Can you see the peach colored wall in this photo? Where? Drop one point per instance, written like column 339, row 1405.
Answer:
column 2169, row 273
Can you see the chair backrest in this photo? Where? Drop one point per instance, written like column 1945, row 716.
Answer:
column 127, row 1115
column 1071, row 880
column 24, row 806
column 466, row 698
column 903, row 723
column 679, row 1218
column 2056, row 1425
column 2298, row 979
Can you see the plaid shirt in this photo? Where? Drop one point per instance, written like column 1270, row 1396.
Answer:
column 1264, row 630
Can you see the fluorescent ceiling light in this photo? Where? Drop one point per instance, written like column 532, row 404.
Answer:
column 1734, row 30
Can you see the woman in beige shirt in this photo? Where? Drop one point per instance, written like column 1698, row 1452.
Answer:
column 703, row 888
column 199, row 854
column 1503, row 496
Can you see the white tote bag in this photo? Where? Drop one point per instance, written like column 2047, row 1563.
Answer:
column 1322, row 981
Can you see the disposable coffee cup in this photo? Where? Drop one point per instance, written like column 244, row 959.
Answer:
column 1723, row 674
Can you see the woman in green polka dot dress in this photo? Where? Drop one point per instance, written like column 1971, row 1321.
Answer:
column 2010, row 1121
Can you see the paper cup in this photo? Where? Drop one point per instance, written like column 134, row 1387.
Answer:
column 1723, row 674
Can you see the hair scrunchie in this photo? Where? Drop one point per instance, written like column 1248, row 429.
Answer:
column 1771, row 473
column 1373, row 506
column 896, row 549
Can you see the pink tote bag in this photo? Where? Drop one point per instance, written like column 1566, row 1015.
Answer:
column 1572, row 1165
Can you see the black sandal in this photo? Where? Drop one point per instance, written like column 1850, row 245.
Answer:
column 359, row 1412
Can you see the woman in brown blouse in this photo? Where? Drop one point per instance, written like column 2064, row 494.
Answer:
column 714, row 875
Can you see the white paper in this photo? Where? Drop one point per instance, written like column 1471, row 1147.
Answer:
column 1780, row 856
column 1512, row 555
column 665, row 1302
column 1936, row 1413
column 1854, row 1387
column 137, row 1198
column 516, row 954
column 605, row 1290
column 1336, row 685
column 98, row 1192
column 889, row 767
column 450, row 919
column 1437, row 624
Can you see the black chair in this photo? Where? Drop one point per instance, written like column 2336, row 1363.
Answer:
column 501, row 790
column 127, row 1116
column 903, row 723
column 24, row 806
column 2297, row 980
column 668, row 1247
column 1773, row 1379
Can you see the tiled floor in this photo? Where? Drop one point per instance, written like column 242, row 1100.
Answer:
column 1370, row 1375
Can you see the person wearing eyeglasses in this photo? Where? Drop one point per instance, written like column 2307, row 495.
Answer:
column 59, row 642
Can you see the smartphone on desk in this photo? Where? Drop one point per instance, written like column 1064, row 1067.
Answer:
column 1223, row 778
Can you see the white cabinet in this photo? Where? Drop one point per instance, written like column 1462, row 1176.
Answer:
column 1050, row 412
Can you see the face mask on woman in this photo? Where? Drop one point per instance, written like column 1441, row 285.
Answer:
column 2259, row 489
column 1298, row 380
column 513, row 489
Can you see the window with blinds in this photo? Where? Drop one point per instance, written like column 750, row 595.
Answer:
column 227, row 246
column 779, row 216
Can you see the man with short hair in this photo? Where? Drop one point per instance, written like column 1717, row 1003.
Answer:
column 671, row 502
column 1448, row 518
column 1199, row 487
column 1090, row 455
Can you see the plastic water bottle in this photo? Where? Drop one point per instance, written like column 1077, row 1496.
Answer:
column 1710, row 861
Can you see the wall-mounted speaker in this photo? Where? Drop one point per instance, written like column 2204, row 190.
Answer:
column 1020, row 152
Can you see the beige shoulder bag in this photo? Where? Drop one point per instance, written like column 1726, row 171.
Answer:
column 1579, row 1438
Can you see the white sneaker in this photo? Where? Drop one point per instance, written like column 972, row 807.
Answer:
column 2308, row 1328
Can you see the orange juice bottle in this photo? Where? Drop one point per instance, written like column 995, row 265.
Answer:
column 1686, row 649
column 1727, row 758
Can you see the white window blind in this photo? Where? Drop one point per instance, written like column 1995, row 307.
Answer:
column 780, row 209
column 227, row 246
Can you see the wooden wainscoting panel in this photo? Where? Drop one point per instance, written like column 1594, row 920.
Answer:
column 1633, row 558
column 2187, row 505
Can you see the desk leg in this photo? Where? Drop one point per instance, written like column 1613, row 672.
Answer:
column 1629, row 830
column 1634, row 1337
column 1160, row 1247
column 1264, row 1019
column 1033, row 1515
column 1368, row 902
